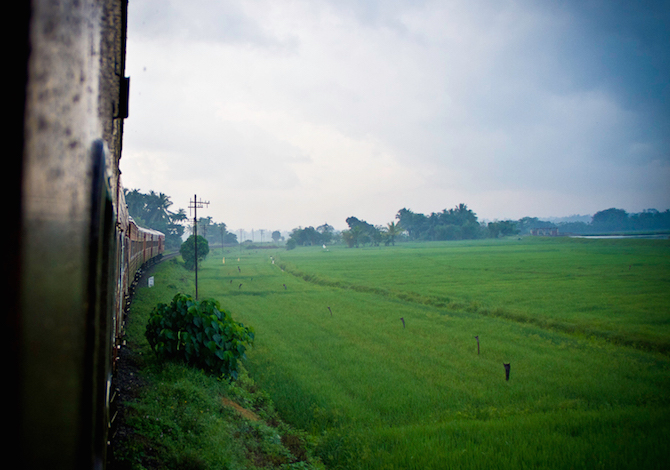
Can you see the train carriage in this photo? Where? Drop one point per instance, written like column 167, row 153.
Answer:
column 74, row 251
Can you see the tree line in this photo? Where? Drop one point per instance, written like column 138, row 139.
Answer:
column 458, row 223
column 152, row 210
column 606, row 221
column 461, row 223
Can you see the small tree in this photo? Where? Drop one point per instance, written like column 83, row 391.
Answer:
column 187, row 251
column 199, row 333
column 276, row 236
column 393, row 230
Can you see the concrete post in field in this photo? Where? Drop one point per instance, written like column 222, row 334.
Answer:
column 506, row 370
column 477, row 338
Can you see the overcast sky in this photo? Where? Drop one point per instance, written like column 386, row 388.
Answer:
column 297, row 113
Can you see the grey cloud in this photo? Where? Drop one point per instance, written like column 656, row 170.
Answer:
column 473, row 101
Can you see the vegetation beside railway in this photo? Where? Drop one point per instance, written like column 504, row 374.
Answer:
column 178, row 417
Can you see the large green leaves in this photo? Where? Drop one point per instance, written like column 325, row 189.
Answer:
column 200, row 334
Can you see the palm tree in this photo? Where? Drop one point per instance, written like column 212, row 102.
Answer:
column 203, row 225
column 157, row 207
column 136, row 202
column 353, row 236
column 393, row 230
column 175, row 228
column 177, row 217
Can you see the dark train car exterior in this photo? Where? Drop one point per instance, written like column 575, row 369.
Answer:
column 71, row 246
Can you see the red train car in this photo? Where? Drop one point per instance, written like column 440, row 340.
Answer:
column 145, row 247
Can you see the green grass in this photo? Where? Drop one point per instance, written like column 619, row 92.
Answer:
column 182, row 418
column 616, row 289
column 564, row 313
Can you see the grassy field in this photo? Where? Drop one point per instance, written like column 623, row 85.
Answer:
column 584, row 324
column 618, row 289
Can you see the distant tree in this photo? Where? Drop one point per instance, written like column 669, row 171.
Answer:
column 574, row 227
column 158, row 205
column 306, row 236
column 415, row 224
column 187, row 251
column 352, row 237
column 460, row 216
column 230, row 239
column 179, row 216
column 453, row 224
column 502, row 228
column 295, row 237
column 526, row 224
column 312, row 236
column 650, row 219
column 152, row 211
column 459, row 222
column 135, row 201
column 377, row 235
column 446, row 232
column 610, row 220
column 393, row 230
column 175, row 229
column 276, row 236
column 204, row 226
column 368, row 232
column 218, row 233
column 326, row 232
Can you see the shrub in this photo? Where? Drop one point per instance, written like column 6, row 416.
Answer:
column 199, row 333
column 187, row 251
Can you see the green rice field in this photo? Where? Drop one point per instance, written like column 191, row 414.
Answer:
column 373, row 352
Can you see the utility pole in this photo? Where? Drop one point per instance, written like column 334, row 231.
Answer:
column 195, row 205
column 222, row 232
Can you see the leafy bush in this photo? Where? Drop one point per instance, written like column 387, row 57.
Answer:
column 199, row 333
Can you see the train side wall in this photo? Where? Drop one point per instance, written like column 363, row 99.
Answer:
column 74, row 110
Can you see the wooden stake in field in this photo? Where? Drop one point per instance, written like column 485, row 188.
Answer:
column 331, row 312
column 506, row 370
column 477, row 338
column 402, row 319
